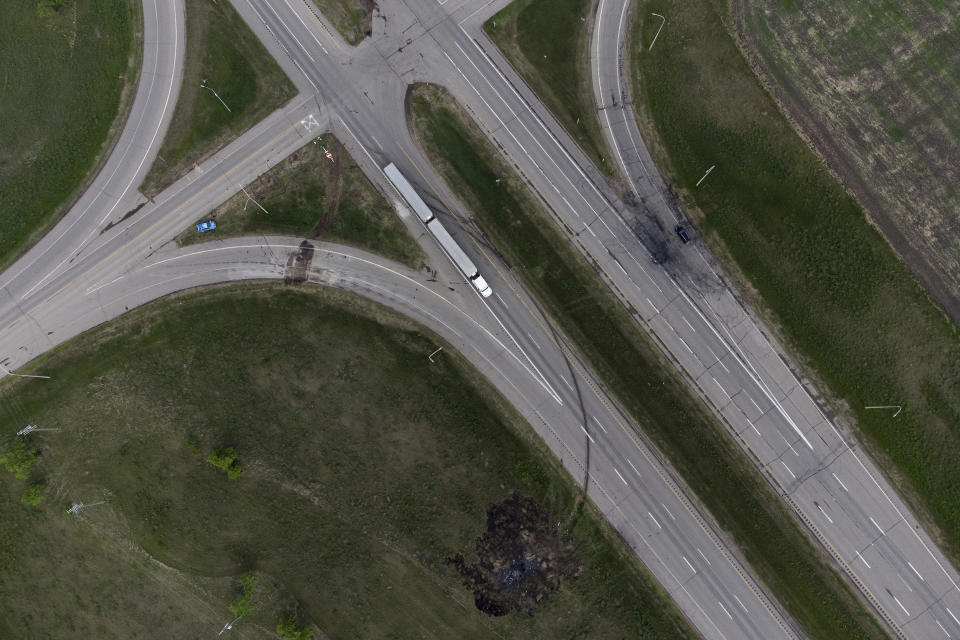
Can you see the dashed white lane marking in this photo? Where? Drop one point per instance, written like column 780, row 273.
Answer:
column 951, row 615
column 704, row 557
column 684, row 318
column 617, row 262
column 788, row 469
column 942, row 629
column 897, row 600
column 754, row 427
column 653, row 305
column 879, row 528
column 502, row 301
column 910, row 564
column 599, row 424
column 840, row 481
column 724, row 609
column 534, row 342
column 825, row 514
column 719, row 361
column 863, row 560
column 620, row 476
column 685, row 343
column 633, row 467
column 588, row 434
column 721, row 387
column 654, row 520
column 566, row 382
column 909, row 588
column 788, row 444
column 741, row 604
column 688, row 564
column 754, row 402
column 672, row 517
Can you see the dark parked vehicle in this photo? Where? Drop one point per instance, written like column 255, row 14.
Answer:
column 683, row 234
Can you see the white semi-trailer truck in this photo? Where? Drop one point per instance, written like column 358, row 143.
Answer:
column 449, row 245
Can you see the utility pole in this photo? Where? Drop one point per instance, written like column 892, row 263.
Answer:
column 204, row 86
column 228, row 626
column 77, row 507
column 251, row 199
column 30, row 428
column 20, row 375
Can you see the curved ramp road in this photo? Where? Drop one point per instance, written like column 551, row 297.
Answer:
column 114, row 192
column 133, row 261
column 838, row 492
column 89, row 271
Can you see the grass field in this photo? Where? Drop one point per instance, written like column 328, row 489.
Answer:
column 67, row 83
column 548, row 44
column 875, row 87
column 308, row 195
column 362, row 467
column 833, row 288
column 223, row 54
column 615, row 346
column 352, row 18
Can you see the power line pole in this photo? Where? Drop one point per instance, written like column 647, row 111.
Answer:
column 228, row 626
column 30, row 428
column 20, row 375
column 77, row 507
column 204, row 86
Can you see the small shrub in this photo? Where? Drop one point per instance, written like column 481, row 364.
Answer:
column 34, row 495
column 290, row 628
column 49, row 7
column 242, row 607
column 226, row 458
column 193, row 445
column 18, row 457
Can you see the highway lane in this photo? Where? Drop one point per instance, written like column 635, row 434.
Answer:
column 658, row 520
column 373, row 118
column 114, row 191
column 364, row 103
column 736, row 369
column 839, row 493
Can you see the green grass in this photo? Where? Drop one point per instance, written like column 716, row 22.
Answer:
column 830, row 283
column 66, row 82
column 874, row 85
column 364, row 466
column 617, row 349
column 224, row 54
column 548, row 45
column 308, row 195
column 352, row 18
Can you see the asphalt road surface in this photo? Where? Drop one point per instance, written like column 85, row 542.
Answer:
column 838, row 492
column 99, row 262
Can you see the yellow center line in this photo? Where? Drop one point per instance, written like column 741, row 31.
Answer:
column 152, row 226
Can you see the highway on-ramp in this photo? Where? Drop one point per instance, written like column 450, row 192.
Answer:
column 838, row 492
column 98, row 270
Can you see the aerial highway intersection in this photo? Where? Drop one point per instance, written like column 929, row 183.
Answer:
column 115, row 250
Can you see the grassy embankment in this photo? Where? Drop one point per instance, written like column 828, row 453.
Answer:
column 68, row 82
column 308, row 195
column 874, row 86
column 352, row 18
column 830, row 284
column 548, row 44
column 362, row 466
column 222, row 53
column 615, row 346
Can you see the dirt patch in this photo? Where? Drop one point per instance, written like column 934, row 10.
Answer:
column 298, row 264
column 521, row 558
